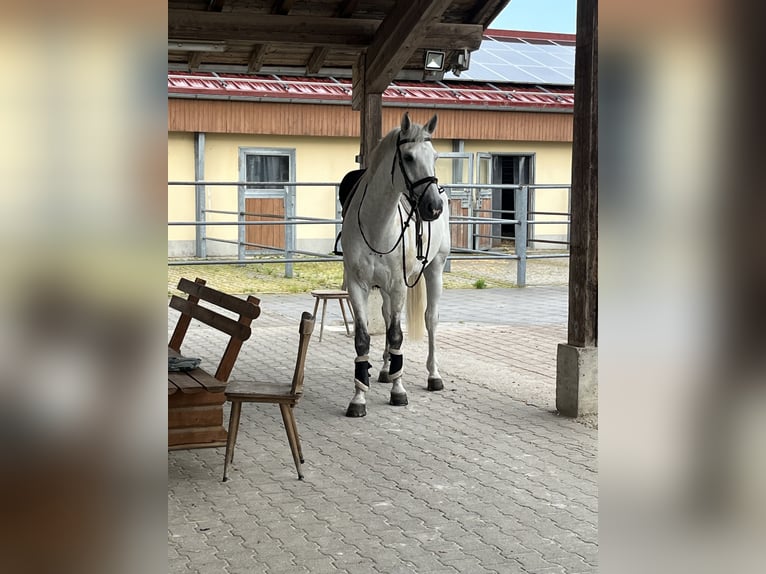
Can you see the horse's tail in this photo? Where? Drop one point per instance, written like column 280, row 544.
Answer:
column 416, row 311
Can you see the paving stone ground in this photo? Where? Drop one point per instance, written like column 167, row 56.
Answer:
column 481, row 477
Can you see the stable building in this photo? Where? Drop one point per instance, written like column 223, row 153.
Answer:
column 504, row 119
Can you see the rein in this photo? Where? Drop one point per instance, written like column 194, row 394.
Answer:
column 414, row 212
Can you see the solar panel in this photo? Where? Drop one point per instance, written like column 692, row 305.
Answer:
column 520, row 62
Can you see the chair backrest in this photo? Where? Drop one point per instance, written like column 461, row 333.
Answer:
column 238, row 330
column 305, row 330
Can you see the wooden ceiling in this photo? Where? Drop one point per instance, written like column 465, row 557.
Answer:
column 323, row 37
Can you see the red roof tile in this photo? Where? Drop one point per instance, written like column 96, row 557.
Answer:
column 329, row 90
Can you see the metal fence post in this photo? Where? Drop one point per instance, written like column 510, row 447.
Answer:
column 521, row 235
column 200, row 246
column 289, row 230
column 241, row 237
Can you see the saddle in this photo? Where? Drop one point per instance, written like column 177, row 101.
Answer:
column 346, row 190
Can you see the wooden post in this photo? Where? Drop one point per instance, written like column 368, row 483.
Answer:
column 370, row 107
column 577, row 364
column 371, row 127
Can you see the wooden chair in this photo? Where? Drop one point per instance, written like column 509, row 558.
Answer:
column 238, row 392
column 325, row 294
column 196, row 398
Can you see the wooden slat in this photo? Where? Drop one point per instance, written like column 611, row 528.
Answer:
column 272, row 118
column 183, row 324
column 196, row 435
column 207, row 381
column 203, row 416
column 172, row 388
column 211, row 318
column 185, row 383
column 197, row 399
column 230, row 302
column 187, row 446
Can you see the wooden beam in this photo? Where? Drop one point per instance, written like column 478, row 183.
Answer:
column 583, row 262
column 371, row 126
column 270, row 28
column 485, row 12
column 257, row 56
column 195, row 59
column 346, row 33
column 346, row 8
column 282, row 7
column 316, row 60
column 357, row 83
column 397, row 39
column 319, row 54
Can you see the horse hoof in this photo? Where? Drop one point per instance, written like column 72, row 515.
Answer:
column 435, row 384
column 356, row 410
column 398, row 399
column 383, row 377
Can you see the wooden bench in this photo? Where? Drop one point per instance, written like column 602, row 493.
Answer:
column 196, row 398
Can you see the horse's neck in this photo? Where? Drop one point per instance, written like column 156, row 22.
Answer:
column 386, row 196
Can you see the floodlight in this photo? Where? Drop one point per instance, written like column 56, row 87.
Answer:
column 434, row 61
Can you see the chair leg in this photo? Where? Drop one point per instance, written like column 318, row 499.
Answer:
column 324, row 311
column 231, row 439
column 316, row 305
column 291, row 438
column 345, row 321
column 295, row 431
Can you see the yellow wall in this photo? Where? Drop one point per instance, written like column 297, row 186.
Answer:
column 180, row 198
column 553, row 165
column 316, row 160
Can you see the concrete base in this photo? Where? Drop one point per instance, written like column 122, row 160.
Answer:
column 577, row 380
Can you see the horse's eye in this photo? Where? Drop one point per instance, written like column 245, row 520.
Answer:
column 408, row 157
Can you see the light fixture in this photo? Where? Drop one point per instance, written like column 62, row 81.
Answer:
column 434, row 61
column 184, row 46
column 462, row 61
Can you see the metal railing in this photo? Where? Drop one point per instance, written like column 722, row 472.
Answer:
column 471, row 195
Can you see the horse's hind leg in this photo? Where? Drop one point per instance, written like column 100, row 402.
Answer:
column 358, row 405
column 433, row 291
column 383, row 374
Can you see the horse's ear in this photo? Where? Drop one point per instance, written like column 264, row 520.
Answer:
column 430, row 127
column 405, row 122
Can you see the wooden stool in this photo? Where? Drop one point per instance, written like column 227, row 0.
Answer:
column 325, row 294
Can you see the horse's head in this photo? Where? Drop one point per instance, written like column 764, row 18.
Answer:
column 417, row 161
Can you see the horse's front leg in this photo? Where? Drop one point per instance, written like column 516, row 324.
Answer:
column 358, row 405
column 394, row 340
column 433, row 276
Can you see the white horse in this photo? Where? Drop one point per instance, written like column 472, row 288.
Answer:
column 395, row 234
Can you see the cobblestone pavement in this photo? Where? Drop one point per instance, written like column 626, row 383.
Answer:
column 481, row 477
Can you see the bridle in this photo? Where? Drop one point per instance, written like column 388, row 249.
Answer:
column 414, row 204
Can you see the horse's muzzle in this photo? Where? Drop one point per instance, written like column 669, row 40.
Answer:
column 430, row 215
column 431, row 210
